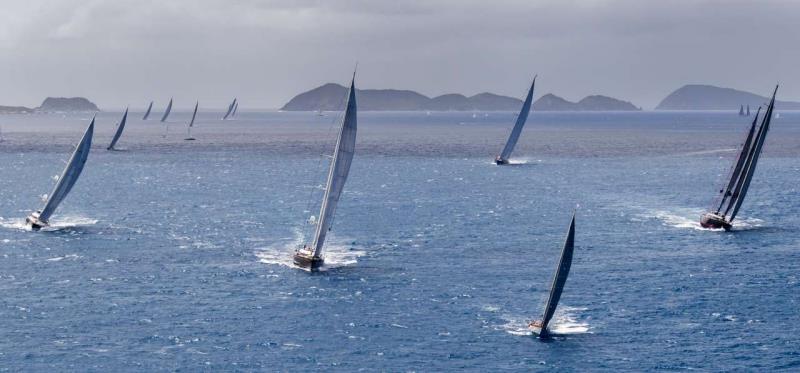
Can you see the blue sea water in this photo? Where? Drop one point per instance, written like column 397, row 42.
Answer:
column 175, row 255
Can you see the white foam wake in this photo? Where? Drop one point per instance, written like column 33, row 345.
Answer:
column 565, row 322
column 56, row 224
column 689, row 218
column 336, row 255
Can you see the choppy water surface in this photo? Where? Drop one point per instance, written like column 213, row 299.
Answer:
column 176, row 255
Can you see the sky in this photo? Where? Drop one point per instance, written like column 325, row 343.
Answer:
column 128, row 52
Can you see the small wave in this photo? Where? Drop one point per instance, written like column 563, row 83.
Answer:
column 711, row 151
column 55, row 224
column 60, row 258
column 336, row 255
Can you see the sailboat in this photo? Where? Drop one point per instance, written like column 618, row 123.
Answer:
column 120, row 127
column 539, row 327
column 235, row 108
column 167, row 111
column 147, row 113
column 191, row 123
column 310, row 255
column 732, row 195
column 748, row 110
column 521, row 118
column 40, row 218
column 230, row 109
column 741, row 110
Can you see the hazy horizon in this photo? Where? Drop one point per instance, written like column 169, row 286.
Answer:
column 264, row 52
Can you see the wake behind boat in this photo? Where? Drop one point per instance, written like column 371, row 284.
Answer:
column 310, row 255
column 732, row 195
column 521, row 118
column 72, row 171
column 539, row 327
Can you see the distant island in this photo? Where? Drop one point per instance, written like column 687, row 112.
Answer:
column 330, row 97
column 709, row 97
column 54, row 105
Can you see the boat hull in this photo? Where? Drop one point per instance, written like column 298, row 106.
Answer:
column 714, row 221
column 34, row 223
column 499, row 161
column 536, row 329
column 308, row 260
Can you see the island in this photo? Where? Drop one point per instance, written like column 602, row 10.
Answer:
column 54, row 105
column 709, row 97
column 330, row 97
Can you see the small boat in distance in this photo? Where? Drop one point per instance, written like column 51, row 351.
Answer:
column 230, row 109
column 235, row 109
column 521, row 118
column 40, row 218
column 748, row 111
column 191, row 123
column 120, row 127
column 732, row 195
column 310, row 255
column 167, row 111
column 147, row 113
column 539, row 327
column 741, row 110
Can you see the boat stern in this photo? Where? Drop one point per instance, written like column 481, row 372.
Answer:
column 305, row 258
column 714, row 221
column 33, row 221
column 536, row 328
column 500, row 161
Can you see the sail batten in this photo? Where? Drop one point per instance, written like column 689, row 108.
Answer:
column 338, row 172
column 120, row 127
column 520, row 123
column 147, row 113
column 167, row 111
column 560, row 277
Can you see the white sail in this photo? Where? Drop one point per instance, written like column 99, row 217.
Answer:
column 167, row 111
column 521, row 118
column 147, row 113
column 70, row 174
column 120, row 127
column 339, row 169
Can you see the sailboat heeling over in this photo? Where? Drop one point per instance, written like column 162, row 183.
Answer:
column 339, row 170
column 69, row 176
column 147, row 113
column 235, row 108
column 560, row 277
column 230, row 109
column 120, row 127
column 736, row 172
column 521, row 118
column 756, row 153
column 167, row 111
column 194, row 114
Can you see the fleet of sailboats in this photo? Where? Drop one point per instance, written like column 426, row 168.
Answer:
column 517, row 130
column 118, row 133
column 539, row 327
column 732, row 194
column 40, row 218
column 191, row 123
column 310, row 255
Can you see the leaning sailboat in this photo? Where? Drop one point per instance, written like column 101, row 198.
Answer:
column 230, row 109
column 147, row 113
column 167, row 111
column 521, row 118
column 310, row 255
column 120, row 127
column 191, row 123
column 733, row 193
column 41, row 218
column 539, row 327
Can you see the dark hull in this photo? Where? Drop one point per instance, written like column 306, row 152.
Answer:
column 714, row 221
column 34, row 223
column 499, row 161
column 307, row 261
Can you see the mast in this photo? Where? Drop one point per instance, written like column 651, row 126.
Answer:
column 120, row 127
column 741, row 110
column 70, row 175
column 560, row 277
column 756, row 153
column 521, row 118
column 147, row 113
column 230, row 109
column 339, row 169
column 736, row 173
column 166, row 112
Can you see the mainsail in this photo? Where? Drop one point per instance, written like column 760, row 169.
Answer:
column 147, row 113
column 120, row 127
column 736, row 172
column 521, row 118
column 339, row 169
column 166, row 112
column 191, row 122
column 560, row 278
column 235, row 108
column 70, row 174
column 230, row 109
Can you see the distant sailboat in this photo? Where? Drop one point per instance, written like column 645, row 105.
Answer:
column 120, row 127
column 539, row 327
column 310, row 255
column 748, row 110
column 732, row 195
column 40, row 218
column 167, row 111
column 521, row 118
column 191, row 123
column 147, row 113
column 230, row 110
column 741, row 110
column 235, row 109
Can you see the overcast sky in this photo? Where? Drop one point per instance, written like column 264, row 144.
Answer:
column 119, row 52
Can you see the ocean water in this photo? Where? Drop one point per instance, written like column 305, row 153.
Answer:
column 175, row 255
